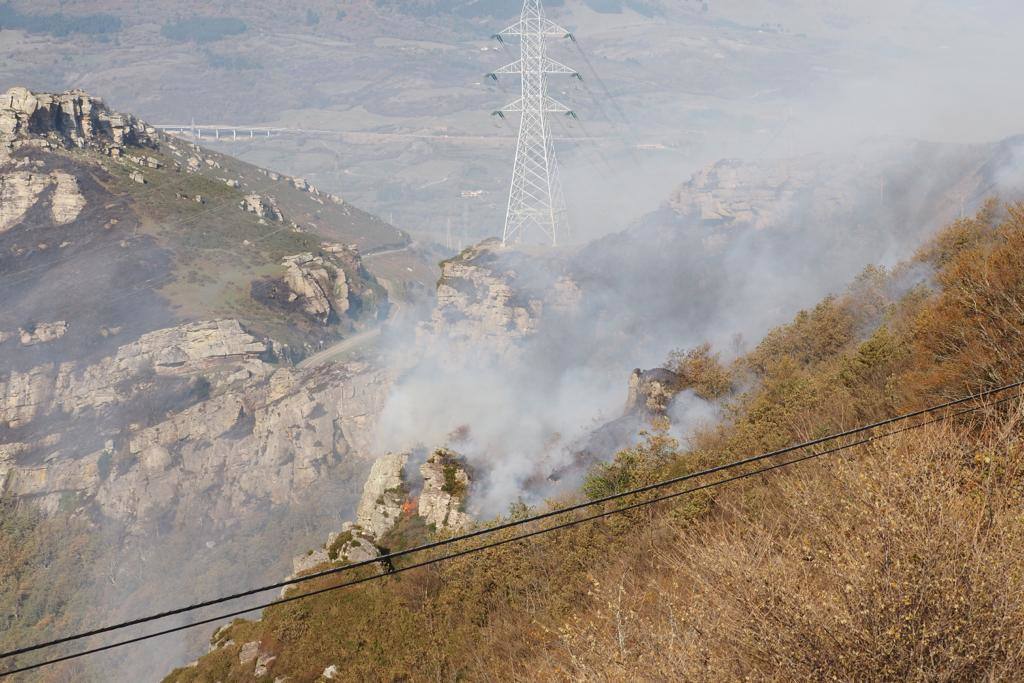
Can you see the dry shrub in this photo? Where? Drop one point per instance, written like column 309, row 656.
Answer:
column 701, row 370
column 903, row 563
column 969, row 336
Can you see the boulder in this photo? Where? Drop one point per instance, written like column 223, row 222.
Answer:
column 43, row 333
column 263, row 207
column 318, row 283
column 67, row 200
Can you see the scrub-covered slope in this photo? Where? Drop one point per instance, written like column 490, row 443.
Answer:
column 900, row 560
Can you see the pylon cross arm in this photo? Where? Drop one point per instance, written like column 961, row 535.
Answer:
column 550, row 28
column 514, row 106
column 515, row 67
column 547, row 28
column 553, row 67
column 515, row 29
column 554, row 106
column 551, row 106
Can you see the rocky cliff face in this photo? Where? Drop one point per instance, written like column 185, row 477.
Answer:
column 492, row 297
column 148, row 332
column 740, row 194
column 177, row 414
column 71, row 119
column 383, row 494
column 445, row 492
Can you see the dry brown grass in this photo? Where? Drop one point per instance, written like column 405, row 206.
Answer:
column 901, row 563
column 898, row 562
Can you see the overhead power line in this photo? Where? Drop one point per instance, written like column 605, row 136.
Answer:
column 387, row 558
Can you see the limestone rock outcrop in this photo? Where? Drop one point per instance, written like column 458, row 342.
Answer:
column 43, row 333
column 320, row 286
column 491, row 297
column 67, row 388
column 330, row 285
column 67, row 201
column 183, row 412
column 651, row 391
column 20, row 190
column 264, row 207
column 350, row 545
column 383, row 494
column 70, row 119
column 445, row 490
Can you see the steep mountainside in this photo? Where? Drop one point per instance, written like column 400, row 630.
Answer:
column 157, row 296
column 747, row 581
column 148, row 232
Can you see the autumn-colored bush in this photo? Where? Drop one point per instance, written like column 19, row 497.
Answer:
column 900, row 564
column 701, row 371
column 969, row 336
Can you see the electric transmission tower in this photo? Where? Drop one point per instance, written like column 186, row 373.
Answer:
column 535, row 199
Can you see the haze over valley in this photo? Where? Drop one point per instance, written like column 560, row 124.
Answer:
column 273, row 318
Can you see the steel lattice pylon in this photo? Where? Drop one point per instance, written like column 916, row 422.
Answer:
column 535, row 198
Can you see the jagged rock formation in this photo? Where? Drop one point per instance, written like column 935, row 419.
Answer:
column 386, row 498
column 70, row 119
column 383, row 495
column 492, row 297
column 321, row 287
column 225, row 419
column 264, row 207
column 350, row 545
column 651, row 391
column 445, row 491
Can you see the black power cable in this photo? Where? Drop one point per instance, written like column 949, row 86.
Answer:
column 386, row 559
column 514, row 523
column 520, row 537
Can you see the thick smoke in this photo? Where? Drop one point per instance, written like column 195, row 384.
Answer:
column 673, row 281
